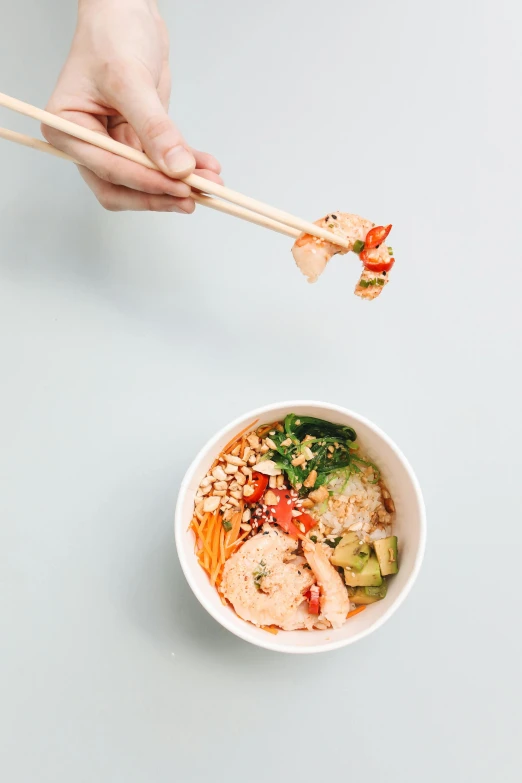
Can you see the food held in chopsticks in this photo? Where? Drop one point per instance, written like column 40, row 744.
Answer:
column 312, row 254
column 293, row 525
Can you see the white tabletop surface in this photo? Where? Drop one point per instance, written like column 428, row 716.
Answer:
column 127, row 340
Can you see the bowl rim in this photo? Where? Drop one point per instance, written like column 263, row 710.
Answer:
column 272, row 643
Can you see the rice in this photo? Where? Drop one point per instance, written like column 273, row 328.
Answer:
column 354, row 505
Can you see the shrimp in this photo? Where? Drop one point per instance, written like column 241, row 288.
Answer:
column 334, row 600
column 263, row 583
column 312, row 254
column 371, row 284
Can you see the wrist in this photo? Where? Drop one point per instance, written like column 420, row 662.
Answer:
column 99, row 5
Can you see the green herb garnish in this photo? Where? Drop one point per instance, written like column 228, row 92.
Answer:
column 226, row 524
column 314, row 539
column 390, row 251
column 358, row 245
column 379, row 281
column 259, row 574
column 333, row 543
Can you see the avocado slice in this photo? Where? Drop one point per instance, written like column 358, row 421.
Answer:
column 386, row 551
column 350, row 553
column 369, row 576
column 368, row 595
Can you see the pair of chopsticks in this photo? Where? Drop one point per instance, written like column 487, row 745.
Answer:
column 240, row 206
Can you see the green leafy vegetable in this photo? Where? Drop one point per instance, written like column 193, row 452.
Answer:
column 331, row 446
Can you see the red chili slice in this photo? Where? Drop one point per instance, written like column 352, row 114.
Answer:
column 259, row 483
column 377, row 265
column 376, row 236
column 306, row 520
column 313, row 603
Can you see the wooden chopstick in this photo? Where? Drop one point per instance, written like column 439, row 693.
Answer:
column 195, row 181
column 206, row 201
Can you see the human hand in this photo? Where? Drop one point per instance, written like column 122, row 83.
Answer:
column 117, row 81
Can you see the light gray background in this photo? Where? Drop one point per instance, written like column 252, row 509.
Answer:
column 127, row 340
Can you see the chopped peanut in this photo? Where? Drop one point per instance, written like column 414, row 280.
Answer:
column 271, row 499
column 210, row 504
column 247, row 491
column 268, row 467
column 310, row 479
column 219, row 473
column 318, row 495
column 232, row 460
column 299, row 461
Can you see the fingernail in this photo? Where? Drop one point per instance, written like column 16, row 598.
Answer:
column 179, row 161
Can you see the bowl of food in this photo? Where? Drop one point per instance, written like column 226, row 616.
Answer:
column 300, row 527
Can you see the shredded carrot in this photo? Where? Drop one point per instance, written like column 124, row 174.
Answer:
column 215, row 575
column 234, row 440
column 270, row 629
column 215, row 544
column 222, row 545
column 199, row 531
column 266, row 428
column 234, row 532
column 355, row 611
column 216, row 559
column 239, row 540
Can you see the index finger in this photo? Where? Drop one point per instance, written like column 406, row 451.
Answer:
column 108, row 166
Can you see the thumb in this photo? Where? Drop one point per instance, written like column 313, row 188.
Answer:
column 135, row 96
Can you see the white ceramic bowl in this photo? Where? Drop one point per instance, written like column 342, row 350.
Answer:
column 410, row 527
